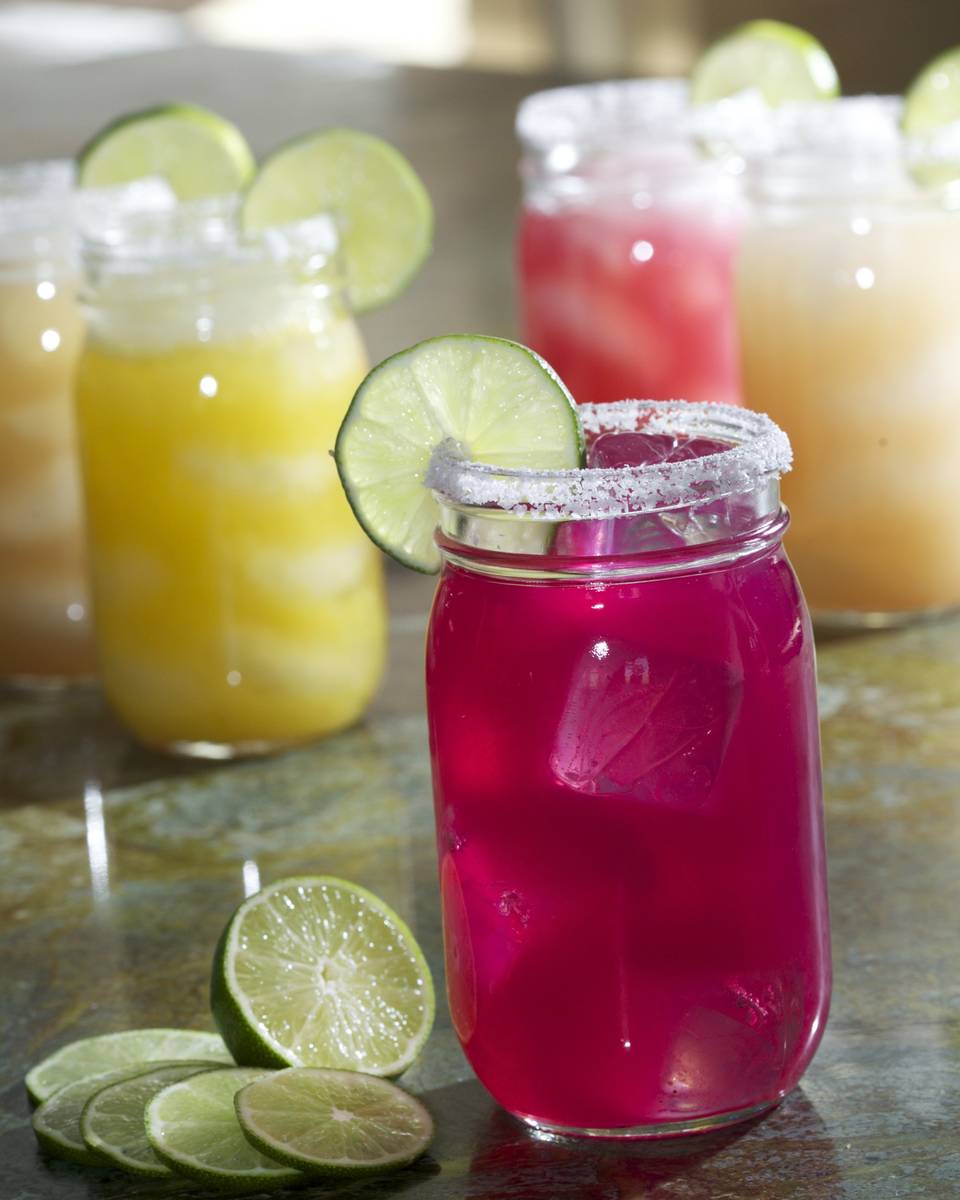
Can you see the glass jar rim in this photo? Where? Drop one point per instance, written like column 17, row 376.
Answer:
column 142, row 229
column 848, row 144
column 656, row 109
column 36, row 196
column 758, row 451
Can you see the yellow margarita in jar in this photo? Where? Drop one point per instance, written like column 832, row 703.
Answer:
column 239, row 607
column 44, row 632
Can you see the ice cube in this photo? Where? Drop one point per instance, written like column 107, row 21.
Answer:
column 651, row 725
column 645, row 449
column 642, row 532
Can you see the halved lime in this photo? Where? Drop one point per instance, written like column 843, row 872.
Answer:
column 197, row 152
column 931, row 107
column 315, row 971
column 112, row 1121
column 382, row 208
column 333, row 1122
column 780, row 61
column 500, row 401
column 57, row 1121
column 94, row 1055
column 192, row 1127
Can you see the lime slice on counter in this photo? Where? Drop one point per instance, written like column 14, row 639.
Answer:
column 112, row 1122
column 57, row 1121
column 333, row 1122
column 94, row 1055
column 192, row 1127
column 931, row 106
column 315, row 971
column 780, row 61
column 498, row 400
column 197, row 152
column 382, row 209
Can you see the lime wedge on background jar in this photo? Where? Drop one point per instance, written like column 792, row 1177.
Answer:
column 780, row 61
column 931, row 121
column 382, row 207
column 196, row 151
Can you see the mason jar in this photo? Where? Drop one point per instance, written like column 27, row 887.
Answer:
column 625, row 243
column 848, row 295
column 239, row 608
column 626, row 769
column 45, row 637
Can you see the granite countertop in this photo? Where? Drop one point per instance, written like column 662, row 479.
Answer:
column 118, row 868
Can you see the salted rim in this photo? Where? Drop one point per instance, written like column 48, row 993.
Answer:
column 659, row 111
column 759, row 451
column 656, row 108
column 141, row 228
column 36, row 196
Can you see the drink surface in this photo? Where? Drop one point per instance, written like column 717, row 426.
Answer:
column 238, row 602
column 624, row 301
column 44, row 627
column 628, row 819
column 848, row 321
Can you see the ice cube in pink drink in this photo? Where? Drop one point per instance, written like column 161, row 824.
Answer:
column 645, row 449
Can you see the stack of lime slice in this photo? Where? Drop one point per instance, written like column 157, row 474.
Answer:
column 247, row 1129
column 312, row 970
column 381, row 206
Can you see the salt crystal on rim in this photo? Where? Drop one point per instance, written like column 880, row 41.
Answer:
column 759, row 450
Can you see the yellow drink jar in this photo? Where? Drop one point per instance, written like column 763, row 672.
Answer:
column 238, row 606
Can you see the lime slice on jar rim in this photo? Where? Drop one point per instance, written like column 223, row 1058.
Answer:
column 333, row 1122
column 192, row 1128
column 782, row 62
column 316, row 971
column 499, row 401
column 197, row 152
column 931, row 119
column 383, row 211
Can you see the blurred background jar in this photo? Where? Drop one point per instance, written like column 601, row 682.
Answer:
column 45, row 637
column 848, row 296
column 625, row 246
column 239, row 606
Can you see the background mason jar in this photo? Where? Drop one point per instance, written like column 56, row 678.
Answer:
column 239, row 605
column 45, row 635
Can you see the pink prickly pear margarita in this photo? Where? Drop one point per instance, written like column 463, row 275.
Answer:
column 626, row 768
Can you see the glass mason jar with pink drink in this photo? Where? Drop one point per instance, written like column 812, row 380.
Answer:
column 623, row 726
column 625, row 243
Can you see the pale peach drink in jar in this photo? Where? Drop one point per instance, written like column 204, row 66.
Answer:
column 848, row 294
column 44, row 633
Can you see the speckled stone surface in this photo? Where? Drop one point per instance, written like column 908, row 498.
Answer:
column 119, row 869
